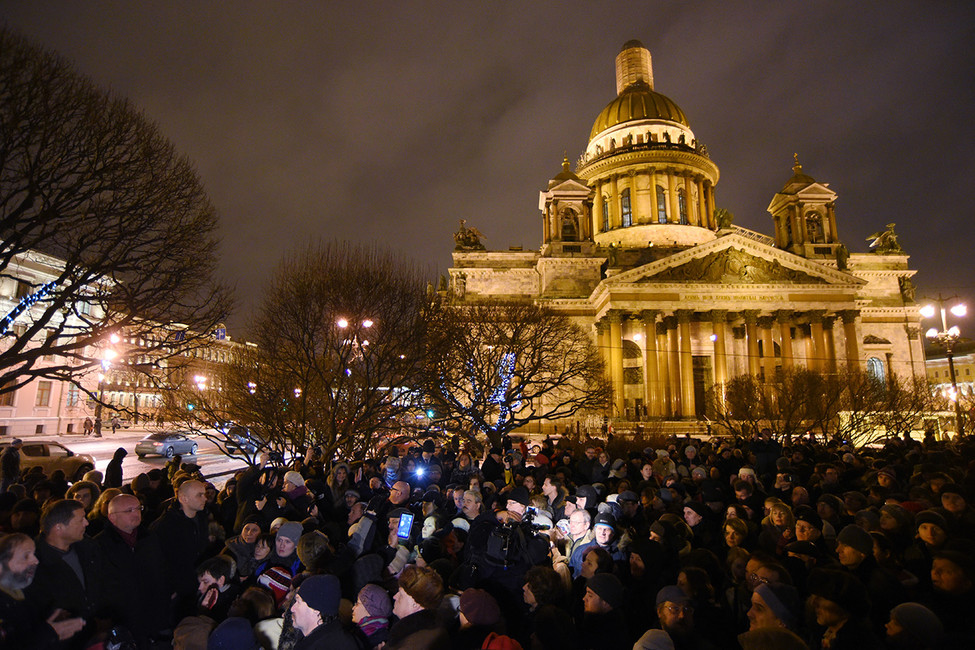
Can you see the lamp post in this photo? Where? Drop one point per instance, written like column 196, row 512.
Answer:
column 948, row 336
column 108, row 354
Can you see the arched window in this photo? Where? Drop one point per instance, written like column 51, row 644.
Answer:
column 875, row 370
column 661, row 205
column 626, row 214
column 605, row 215
column 568, row 225
column 814, row 228
column 682, row 205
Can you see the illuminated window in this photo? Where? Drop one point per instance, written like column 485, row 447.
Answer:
column 682, row 206
column 7, row 399
column 814, row 229
column 875, row 370
column 661, row 205
column 605, row 215
column 74, row 395
column 626, row 214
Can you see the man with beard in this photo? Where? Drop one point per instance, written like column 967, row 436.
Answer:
column 676, row 614
column 20, row 627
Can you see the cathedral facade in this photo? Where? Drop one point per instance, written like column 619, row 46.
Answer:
column 679, row 299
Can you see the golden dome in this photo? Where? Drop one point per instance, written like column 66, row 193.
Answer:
column 637, row 102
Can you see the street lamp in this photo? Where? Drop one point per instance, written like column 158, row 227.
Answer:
column 948, row 336
column 108, row 355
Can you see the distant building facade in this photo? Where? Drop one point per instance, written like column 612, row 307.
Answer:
column 678, row 299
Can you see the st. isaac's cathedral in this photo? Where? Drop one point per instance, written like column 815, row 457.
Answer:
column 679, row 299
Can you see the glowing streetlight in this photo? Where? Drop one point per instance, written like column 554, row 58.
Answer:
column 948, row 336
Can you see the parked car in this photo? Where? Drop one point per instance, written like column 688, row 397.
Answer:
column 51, row 456
column 165, row 443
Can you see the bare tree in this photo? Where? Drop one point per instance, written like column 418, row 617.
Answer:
column 497, row 367
column 849, row 405
column 339, row 345
column 119, row 224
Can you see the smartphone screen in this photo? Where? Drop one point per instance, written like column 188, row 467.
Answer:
column 405, row 526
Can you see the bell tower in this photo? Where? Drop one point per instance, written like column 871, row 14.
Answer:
column 805, row 217
column 566, row 207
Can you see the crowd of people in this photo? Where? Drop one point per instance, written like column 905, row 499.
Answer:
column 697, row 544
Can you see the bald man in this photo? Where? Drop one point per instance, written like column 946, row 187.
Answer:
column 183, row 534
column 137, row 595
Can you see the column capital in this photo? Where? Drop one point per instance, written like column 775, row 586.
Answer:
column 670, row 322
column 815, row 315
column 649, row 316
column 849, row 315
column 828, row 322
column 661, row 328
column 719, row 315
column 765, row 322
column 784, row 315
column 684, row 315
column 750, row 316
column 615, row 315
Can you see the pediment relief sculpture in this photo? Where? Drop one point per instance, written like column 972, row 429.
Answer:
column 734, row 266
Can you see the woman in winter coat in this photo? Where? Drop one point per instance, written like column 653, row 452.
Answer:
column 113, row 473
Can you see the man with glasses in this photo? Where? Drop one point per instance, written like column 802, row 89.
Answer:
column 676, row 614
column 135, row 587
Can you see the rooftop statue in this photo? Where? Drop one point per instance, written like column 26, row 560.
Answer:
column 468, row 239
column 885, row 241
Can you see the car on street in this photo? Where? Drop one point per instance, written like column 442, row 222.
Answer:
column 165, row 443
column 51, row 456
column 240, row 439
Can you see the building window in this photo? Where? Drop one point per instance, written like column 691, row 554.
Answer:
column 7, row 399
column 814, row 229
column 74, row 395
column 43, row 394
column 605, row 215
column 682, row 206
column 661, row 205
column 626, row 214
column 875, row 370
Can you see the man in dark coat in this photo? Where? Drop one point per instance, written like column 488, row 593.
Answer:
column 182, row 532
column 113, row 473
column 10, row 464
column 135, row 586
column 69, row 574
column 315, row 613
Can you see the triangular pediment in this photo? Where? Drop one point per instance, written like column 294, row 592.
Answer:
column 568, row 186
column 733, row 259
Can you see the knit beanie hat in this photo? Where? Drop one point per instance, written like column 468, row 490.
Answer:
column 294, row 478
column 376, row 601
column 783, row 600
column 919, row 623
column 292, row 530
column 479, row 607
column 903, row 517
column 856, row 538
column 608, row 587
column 321, row 593
column 235, row 633
column 810, row 516
column 842, row 588
column 931, row 517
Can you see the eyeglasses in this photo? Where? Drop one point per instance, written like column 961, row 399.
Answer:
column 135, row 509
column 679, row 609
column 754, row 577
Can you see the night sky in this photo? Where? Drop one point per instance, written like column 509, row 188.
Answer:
column 388, row 121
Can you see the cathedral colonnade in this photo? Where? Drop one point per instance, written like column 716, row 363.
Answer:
column 661, row 363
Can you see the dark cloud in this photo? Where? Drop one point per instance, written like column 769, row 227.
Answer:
column 387, row 121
